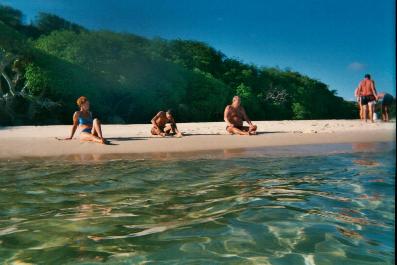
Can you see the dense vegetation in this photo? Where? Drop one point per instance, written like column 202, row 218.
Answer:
column 46, row 65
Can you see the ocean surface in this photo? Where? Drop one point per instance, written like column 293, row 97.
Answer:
column 314, row 205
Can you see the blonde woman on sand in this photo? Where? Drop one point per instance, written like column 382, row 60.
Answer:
column 90, row 128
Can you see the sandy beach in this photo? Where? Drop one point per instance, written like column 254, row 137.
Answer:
column 40, row 141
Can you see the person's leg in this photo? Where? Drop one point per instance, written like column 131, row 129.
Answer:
column 387, row 113
column 85, row 136
column 168, row 129
column 252, row 130
column 171, row 129
column 97, row 129
column 364, row 105
column 364, row 112
column 360, row 108
column 371, row 108
column 383, row 107
column 156, row 131
column 235, row 130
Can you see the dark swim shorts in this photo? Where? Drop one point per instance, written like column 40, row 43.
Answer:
column 366, row 99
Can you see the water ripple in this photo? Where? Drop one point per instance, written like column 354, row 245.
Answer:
column 264, row 210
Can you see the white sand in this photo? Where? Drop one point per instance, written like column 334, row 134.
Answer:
column 35, row 141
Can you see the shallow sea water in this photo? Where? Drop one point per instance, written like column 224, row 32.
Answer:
column 234, row 208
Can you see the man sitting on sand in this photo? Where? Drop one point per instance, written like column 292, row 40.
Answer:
column 164, row 125
column 234, row 117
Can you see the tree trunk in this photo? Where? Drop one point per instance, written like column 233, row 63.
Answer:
column 10, row 83
column 1, row 88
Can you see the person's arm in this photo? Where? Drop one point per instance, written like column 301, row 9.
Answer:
column 380, row 96
column 373, row 89
column 153, row 121
column 226, row 117
column 74, row 126
column 174, row 127
column 359, row 91
column 245, row 116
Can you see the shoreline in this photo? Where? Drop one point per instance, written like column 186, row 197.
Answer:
column 39, row 141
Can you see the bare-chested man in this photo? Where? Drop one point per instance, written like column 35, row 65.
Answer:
column 164, row 124
column 367, row 92
column 235, row 116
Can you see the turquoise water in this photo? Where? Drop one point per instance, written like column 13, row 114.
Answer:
column 328, row 208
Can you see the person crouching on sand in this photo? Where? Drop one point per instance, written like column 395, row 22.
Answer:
column 164, row 125
column 386, row 103
column 234, row 117
column 90, row 128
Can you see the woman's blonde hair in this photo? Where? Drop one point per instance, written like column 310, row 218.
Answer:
column 81, row 100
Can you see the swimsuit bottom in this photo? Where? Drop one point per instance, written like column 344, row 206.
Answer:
column 86, row 130
column 367, row 99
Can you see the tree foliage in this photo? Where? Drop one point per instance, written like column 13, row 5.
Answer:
column 128, row 78
column 47, row 23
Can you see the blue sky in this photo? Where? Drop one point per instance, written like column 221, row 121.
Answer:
column 335, row 41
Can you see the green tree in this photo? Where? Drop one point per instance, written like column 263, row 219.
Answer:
column 47, row 23
column 299, row 111
column 37, row 80
column 10, row 16
column 46, row 65
column 244, row 91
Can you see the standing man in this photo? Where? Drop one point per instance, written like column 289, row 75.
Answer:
column 235, row 116
column 367, row 93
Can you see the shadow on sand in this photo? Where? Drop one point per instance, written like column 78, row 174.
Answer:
column 122, row 139
column 258, row 133
column 194, row 134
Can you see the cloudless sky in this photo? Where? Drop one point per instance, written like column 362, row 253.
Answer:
column 334, row 41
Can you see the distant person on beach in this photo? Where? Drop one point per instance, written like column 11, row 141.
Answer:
column 386, row 101
column 164, row 125
column 367, row 93
column 90, row 128
column 235, row 116
column 358, row 99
